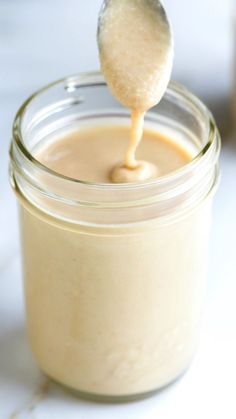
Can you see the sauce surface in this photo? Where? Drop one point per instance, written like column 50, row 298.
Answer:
column 90, row 154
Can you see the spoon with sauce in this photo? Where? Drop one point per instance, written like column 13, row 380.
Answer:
column 136, row 54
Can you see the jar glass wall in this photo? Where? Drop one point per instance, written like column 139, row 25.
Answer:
column 114, row 274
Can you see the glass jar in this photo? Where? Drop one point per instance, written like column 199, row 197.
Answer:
column 114, row 274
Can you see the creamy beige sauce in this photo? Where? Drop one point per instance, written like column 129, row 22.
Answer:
column 90, row 154
column 110, row 313
column 115, row 311
column 136, row 54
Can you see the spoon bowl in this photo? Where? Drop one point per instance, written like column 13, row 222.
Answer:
column 136, row 50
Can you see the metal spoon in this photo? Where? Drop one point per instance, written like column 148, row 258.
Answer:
column 154, row 5
column 136, row 50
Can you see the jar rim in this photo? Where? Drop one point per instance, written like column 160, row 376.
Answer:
column 73, row 82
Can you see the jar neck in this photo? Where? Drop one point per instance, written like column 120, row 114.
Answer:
column 167, row 197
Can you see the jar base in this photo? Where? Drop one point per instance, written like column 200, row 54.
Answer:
column 100, row 398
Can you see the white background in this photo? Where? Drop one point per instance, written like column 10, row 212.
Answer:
column 44, row 40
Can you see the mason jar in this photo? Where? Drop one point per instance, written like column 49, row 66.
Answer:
column 114, row 274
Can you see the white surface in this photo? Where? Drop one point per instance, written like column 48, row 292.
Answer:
column 42, row 41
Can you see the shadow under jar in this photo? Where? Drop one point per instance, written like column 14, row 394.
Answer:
column 114, row 274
